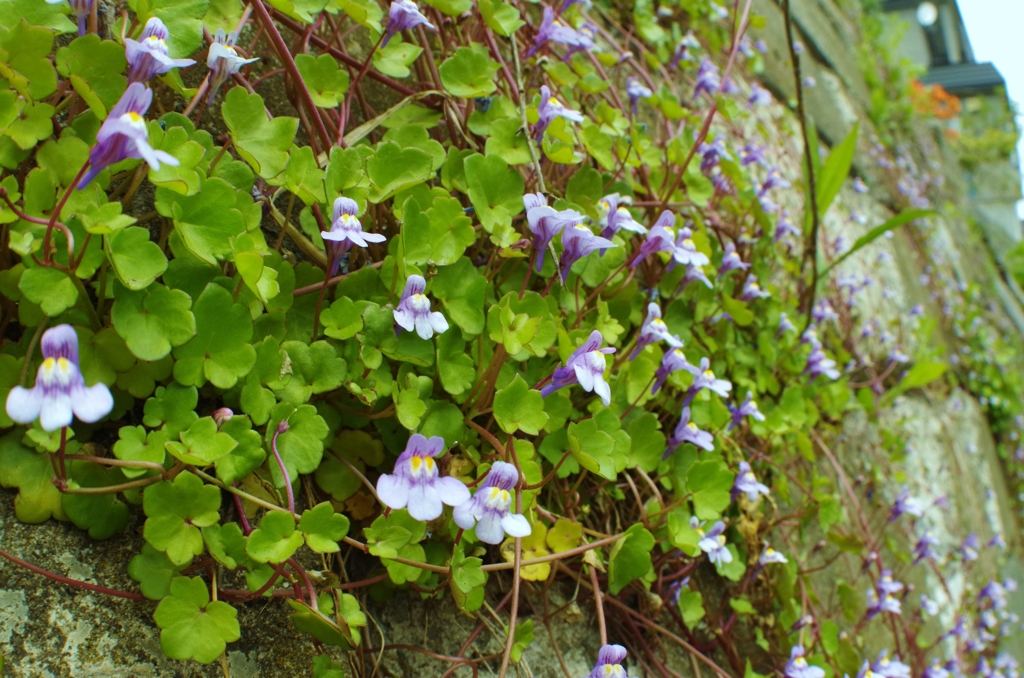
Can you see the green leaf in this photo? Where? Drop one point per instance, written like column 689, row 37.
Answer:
column 455, row 365
column 517, row 407
column 275, row 540
column 303, row 177
column 500, row 17
column 393, row 168
column 593, row 449
column 302, row 446
column 183, row 19
column 343, row 319
column 709, row 482
column 630, row 558
column 836, row 170
column 364, row 12
column 154, row 320
column 247, row 456
column 262, row 143
column 94, row 68
column 461, row 288
column 182, row 178
column 495, row 190
column 193, row 627
column 509, row 141
column 31, row 473
column 326, row 81
column 136, row 259
column 103, row 515
column 323, row 528
column 226, row 544
column 43, row 15
column 206, row 221
column 395, row 59
column 469, row 73
column 691, row 607
column 647, row 443
column 920, row 375
column 467, row 580
column 172, row 408
column 202, row 444
column 409, row 409
column 53, row 290
column 439, row 235
column 153, row 571
column 175, row 511
column 25, row 62
column 302, row 10
column 134, row 444
column 220, row 352
column 737, row 310
column 343, row 633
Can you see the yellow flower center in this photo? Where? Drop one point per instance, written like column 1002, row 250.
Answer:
column 156, row 41
column 678, row 352
column 659, row 323
column 134, row 117
column 422, row 464
column 688, row 244
column 691, row 426
column 709, row 374
column 801, row 662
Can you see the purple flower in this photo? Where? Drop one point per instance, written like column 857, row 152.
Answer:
column 713, row 543
column 684, row 252
column 890, row 668
column 546, row 222
column 887, row 585
column 929, row 606
column 770, row 555
column 885, row 603
column 346, row 231
column 751, row 290
column 784, row 227
column 752, row 153
column 859, row 186
column 615, row 217
column 935, row 670
column 682, row 50
column 553, row 30
column 970, row 547
column 774, row 179
column 785, row 325
column 81, row 8
column 654, row 330
column 711, row 155
column 746, row 483
column 996, row 541
column 703, row 378
column 636, row 91
column 708, row 79
column 609, row 663
column 585, row 367
column 672, row 361
column 731, row 260
column 905, row 504
column 747, row 409
column 489, row 509
column 797, row 666
column 415, row 482
column 549, row 109
column 124, row 135
column 414, row 310
column 923, row 548
column 403, row 14
column 759, row 96
column 223, row 61
column 661, row 238
column 687, row 432
column 148, row 56
column 60, row 393
column 578, row 241
column 693, row 273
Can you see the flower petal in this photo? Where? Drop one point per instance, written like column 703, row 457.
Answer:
column 55, row 412
column 424, row 502
column 438, row 322
column 516, row 525
column 93, row 403
column 404, row 319
column 393, row 491
column 463, row 515
column 23, row 405
column 423, row 327
column 451, row 491
column 489, row 529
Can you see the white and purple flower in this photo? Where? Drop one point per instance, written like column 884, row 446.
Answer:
column 709, row 80
column 414, row 312
column 223, row 61
column 685, row 252
column 615, row 217
column 672, row 361
column 81, row 8
column 546, row 222
column 124, row 135
column 797, row 666
column 688, row 432
column 731, row 260
column 609, row 663
column 906, row 504
column 489, row 510
column 553, row 30
column 346, row 231
column 148, row 56
column 703, row 378
column 654, row 330
column 60, row 393
column 751, row 290
column 770, row 555
column 578, row 241
column 549, row 109
column 661, row 238
column 890, row 668
column 747, row 409
column 636, row 91
column 585, row 367
column 415, row 483
column 746, row 483
column 713, row 542
column 402, row 15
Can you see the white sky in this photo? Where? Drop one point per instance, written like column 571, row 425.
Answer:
column 994, row 29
